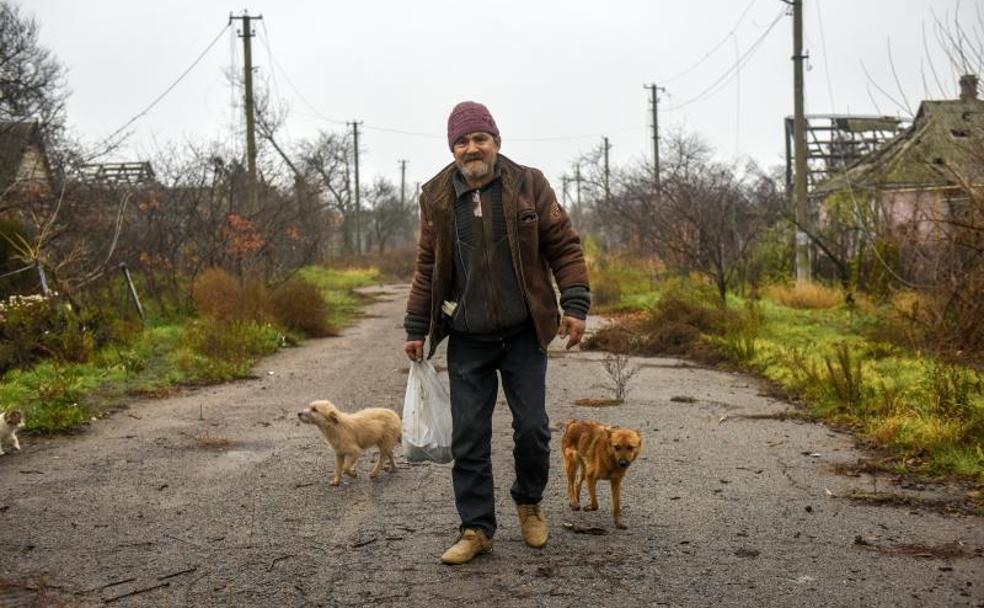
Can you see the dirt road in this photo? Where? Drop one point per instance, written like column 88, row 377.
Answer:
column 219, row 497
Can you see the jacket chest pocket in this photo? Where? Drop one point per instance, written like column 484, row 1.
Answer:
column 527, row 226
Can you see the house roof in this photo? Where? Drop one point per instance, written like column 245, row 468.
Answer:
column 945, row 140
column 15, row 139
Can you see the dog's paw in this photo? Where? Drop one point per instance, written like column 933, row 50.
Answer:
column 575, row 507
column 591, row 508
column 335, row 482
column 352, row 474
column 621, row 526
column 373, row 475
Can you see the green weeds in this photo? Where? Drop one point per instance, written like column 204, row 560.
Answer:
column 58, row 394
column 928, row 415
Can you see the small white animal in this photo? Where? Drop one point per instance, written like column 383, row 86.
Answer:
column 10, row 423
column 350, row 434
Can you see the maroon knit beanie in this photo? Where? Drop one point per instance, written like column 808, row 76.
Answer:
column 468, row 117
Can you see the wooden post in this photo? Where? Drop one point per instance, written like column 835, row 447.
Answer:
column 133, row 291
column 44, row 280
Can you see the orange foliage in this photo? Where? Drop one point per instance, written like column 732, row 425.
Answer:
column 241, row 236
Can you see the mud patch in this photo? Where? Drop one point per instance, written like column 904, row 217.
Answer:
column 209, row 442
column 952, row 550
column 32, row 592
column 590, row 402
column 957, row 506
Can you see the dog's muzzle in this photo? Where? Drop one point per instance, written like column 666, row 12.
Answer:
column 624, row 463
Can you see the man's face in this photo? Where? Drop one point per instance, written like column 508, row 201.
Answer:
column 475, row 154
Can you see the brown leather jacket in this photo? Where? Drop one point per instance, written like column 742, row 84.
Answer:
column 541, row 240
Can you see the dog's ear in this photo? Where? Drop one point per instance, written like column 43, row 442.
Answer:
column 333, row 417
column 608, row 432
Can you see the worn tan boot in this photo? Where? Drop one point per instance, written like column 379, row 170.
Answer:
column 534, row 525
column 470, row 543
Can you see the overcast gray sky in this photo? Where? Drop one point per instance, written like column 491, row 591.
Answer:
column 557, row 75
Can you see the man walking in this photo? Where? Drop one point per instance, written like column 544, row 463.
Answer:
column 491, row 233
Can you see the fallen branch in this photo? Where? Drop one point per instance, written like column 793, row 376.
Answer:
column 172, row 575
column 112, row 584
column 136, row 592
column 277, row 559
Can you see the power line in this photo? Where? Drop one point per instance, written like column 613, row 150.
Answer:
column 297, row 91
column 826, row 58
column 730, row 73
column 273, row 74
column 318, row 114
column 717, row 46
column 157, row 100
column 512, row 139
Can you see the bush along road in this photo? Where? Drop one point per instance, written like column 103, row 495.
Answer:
column 219, row 497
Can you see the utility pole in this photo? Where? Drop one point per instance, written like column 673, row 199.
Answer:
column 358, row 210
column 577, row 189
column 564, row 180
column 577, row 184
column 607, row 174
column 654, row 101
column 803, row 273
column 403, row 182
column 247, row 34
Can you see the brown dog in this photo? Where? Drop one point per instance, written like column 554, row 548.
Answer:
column 350, row 434
column 594, row 451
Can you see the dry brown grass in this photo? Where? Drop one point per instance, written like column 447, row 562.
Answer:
column 809, row 295
column 210, row 442
column 589, row 402
column 677, row 326
column 298, row 305
column 221, row 296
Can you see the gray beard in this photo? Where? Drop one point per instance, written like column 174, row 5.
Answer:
column 475, row 170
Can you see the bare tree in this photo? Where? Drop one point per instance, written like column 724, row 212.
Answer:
column 32, row 80
column 705, row 220
column 391, row 222
column 326, row 164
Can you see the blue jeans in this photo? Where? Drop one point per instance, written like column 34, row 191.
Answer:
column 472, row 366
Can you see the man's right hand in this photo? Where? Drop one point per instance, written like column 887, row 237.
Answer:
column 414, row 350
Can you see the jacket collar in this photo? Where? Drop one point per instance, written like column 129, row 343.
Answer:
column 441, row 192
column 461, row 186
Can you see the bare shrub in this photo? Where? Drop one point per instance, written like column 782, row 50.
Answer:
column 297, row 305
column 216, row 294
column 399, row 264
column 220, row 296
column 620, row 373
column 254, row 301
column 677, row 325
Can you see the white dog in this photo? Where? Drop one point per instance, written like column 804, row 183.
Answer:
column 10, row 423
column 350, row 434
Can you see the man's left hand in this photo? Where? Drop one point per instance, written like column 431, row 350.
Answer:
column 572, row 329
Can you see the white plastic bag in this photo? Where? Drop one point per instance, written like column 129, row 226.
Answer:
column 426, row 416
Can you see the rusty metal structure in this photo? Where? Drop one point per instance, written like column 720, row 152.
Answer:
column 118, row 173
column 834, row 142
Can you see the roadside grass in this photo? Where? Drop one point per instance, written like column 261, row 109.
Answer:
column 168, row 353
column 336, row 287
column 926, row 414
